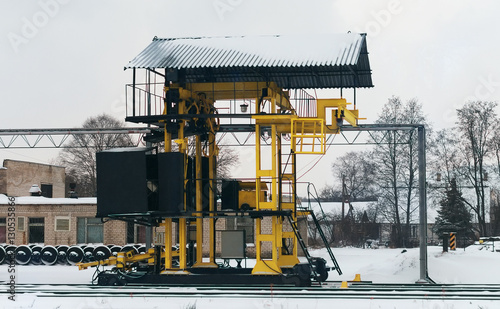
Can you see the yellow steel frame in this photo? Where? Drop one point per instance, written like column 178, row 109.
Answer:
column 187, row 95
column 304, row 132
column 283, row 120
column 309, row 134
column 124, row 260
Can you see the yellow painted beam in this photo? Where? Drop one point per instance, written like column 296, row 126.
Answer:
column 199, row 201
column 264, row 173
column 168, row 242
column 265, row 237
column 266, row 205
column 182, row 243
column 266, row 267
column 212, row 172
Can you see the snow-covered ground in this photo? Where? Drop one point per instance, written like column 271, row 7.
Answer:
column 475, row 265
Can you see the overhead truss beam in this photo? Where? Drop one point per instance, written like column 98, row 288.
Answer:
column 57, row 138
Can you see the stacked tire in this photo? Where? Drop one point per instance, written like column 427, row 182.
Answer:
column 64, row 255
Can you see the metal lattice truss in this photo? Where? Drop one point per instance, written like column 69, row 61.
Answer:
column 370, row 134
column 58, row 138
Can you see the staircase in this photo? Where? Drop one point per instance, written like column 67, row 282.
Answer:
column 302, row 244
column 317, row 223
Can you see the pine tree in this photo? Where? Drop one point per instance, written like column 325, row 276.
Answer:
column 453, row 216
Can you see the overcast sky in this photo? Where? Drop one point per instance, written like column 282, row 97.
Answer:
column 62, row 60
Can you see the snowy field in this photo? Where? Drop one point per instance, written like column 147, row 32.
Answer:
column 475, row 265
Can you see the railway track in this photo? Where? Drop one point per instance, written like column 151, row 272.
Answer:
column 331, row 290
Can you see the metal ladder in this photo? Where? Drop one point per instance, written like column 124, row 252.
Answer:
column 325, row 241
column 318, row 226
column 295, row 229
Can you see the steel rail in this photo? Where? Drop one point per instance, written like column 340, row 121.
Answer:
column 355, row 291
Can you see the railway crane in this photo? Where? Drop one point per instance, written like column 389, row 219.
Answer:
column 195, row 90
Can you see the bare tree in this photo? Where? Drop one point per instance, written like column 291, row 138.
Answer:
column 443, row 164
column 476, row 126
column 395, row 156
column 358, row 170
column 80, row 156
column 226, row 159
column 329, row 194
column 445, row 155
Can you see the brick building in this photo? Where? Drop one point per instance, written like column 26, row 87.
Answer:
column 59, row 221
column 17, row 177
column 53, row 219
column 68, row 221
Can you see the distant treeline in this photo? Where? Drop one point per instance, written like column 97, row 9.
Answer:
column 338, row 199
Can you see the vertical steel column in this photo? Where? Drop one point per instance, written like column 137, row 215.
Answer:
column 148, row 85
column 149, row 228
column 168, row 221
column 168, row 243
column 133, row 92
column 422, row 203
column 276, row 221
column 212, row 176
column 257, row 192
column 199, row 203
column 182, row 225
column 182, row 243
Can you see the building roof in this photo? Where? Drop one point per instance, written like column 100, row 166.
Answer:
column 6, row 161
column 40, row 200
column 292, row 61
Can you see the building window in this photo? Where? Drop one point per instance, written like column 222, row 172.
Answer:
column 3, row 230
column 242, row 223
column 36, row 230
column 89, row 230
column 20, row 224
column 136, row 233
column 46, row 190
column 62, row 224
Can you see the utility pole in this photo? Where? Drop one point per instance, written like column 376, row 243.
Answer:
column 344, row 193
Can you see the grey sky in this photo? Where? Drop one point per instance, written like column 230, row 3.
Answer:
column 62, row 60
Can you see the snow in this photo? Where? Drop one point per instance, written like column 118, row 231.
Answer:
column 330, row 49
column 127, row 149
column 476, row 264
column 40, row 200
column 335, row 208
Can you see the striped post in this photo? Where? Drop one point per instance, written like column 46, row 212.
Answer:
column 453, row 240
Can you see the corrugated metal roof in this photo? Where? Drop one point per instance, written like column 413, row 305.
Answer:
column 292, row 61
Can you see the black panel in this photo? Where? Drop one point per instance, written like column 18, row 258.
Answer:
column 190, row 185
column 152, row 181
column 205, row 164
column 121, row 183
column 230, row 190
column 171, row 182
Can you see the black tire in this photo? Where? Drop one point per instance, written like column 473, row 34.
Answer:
column 3, row 255
column 88, row 254
column 75, row 255
column 127, row 248
column 36, row 255
column 10, row 253
column 101, row 253
column 115, row 250
column 321, row 271
column 23, row 255
column 62, row 251
column 49, row 255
